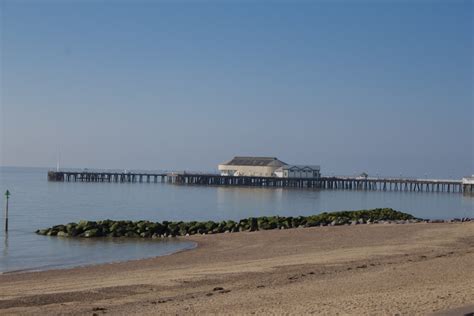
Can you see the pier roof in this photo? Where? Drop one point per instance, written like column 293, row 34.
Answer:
column 255, row 161
column 300, row 167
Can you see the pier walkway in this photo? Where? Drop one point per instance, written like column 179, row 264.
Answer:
column 340, row 183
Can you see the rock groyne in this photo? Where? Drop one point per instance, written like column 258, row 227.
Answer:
column 148, row 229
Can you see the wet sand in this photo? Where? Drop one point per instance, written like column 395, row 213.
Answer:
column 363, row 269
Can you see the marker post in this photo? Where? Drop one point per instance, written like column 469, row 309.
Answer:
column 7, row 195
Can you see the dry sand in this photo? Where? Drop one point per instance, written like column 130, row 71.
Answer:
column 364, row 269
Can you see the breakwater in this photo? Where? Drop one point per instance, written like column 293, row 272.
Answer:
column 336, row 183
column 148, row 229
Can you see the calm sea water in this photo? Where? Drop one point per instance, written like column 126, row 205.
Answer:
column 36, row 203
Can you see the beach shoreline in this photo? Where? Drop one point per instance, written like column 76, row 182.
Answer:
column 408, row 269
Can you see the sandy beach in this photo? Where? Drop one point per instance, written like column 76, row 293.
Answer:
column 363, row 269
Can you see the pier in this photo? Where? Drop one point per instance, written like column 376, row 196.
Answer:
column 105, row 176
column 335, row 183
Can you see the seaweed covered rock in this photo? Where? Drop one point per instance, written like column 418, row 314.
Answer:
column 148, row 229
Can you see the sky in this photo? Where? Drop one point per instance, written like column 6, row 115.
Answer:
column 383, row 86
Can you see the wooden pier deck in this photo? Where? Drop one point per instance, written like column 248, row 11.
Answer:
column 105, row 176
column 339, row 183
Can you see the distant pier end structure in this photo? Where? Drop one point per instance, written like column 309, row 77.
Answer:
column 468, row 184
column 267, row 167
column 251, row 167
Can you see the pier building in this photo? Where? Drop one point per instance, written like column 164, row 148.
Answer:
column 298, row 171
column 251, row 166
column 468, row 184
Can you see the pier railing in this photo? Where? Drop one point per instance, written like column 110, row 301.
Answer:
column 340, row 183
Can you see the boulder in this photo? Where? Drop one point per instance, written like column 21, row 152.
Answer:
column 59, row 228
column 253, row 224
column 264, row 226
column 42, row 231
column 145, row 234
column 70, row 227
column 86, row 225
column 173, row 229
column 114, row 227
column 210, row 225
column 312, row 223
column 74, row 232
column 183, row 229
column 52, row 232
column 94, row 232
column 288, row 222
column 131, row 234
column 62, row 234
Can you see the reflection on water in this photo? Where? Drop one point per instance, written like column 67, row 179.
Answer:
column 36, row 203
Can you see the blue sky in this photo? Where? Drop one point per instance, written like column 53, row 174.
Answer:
column 378, row 86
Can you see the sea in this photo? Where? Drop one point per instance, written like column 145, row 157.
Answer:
column 37, row 203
